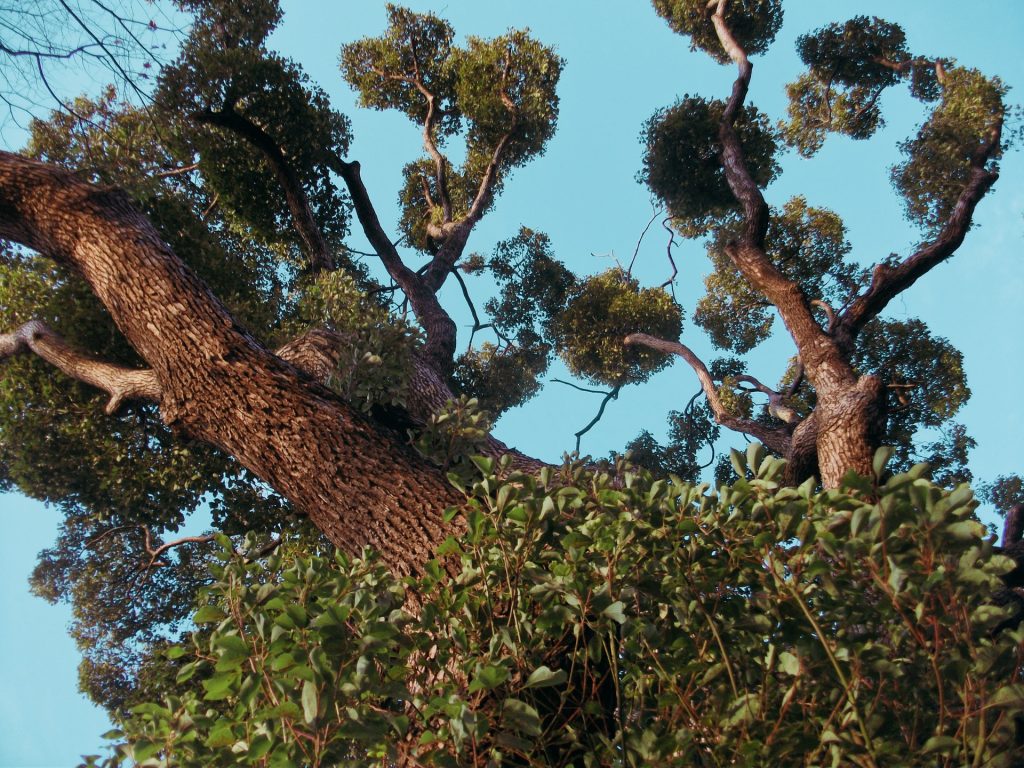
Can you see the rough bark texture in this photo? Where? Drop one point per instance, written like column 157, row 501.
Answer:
column 359, row 484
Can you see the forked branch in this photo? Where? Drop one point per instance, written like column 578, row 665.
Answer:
column 121, row 383
column 776, row 439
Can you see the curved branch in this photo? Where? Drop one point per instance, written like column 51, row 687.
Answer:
column 309, row 231
column 749, row 256
column 120, row 383
column 829, row 313
column 612, row 394
column 888, row 282
column 776, row 406
column 776, row 440
column 439, row 327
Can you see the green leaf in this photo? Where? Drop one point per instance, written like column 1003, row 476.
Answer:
column 209, row 614
column 543, row 676
column 489, row 676
column 309, row 701
column 521, row 717
column 219, row 686
column 789, row 663
column 1010, row 696
column 615, row 612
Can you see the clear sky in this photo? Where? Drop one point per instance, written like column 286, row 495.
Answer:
column 622, row 64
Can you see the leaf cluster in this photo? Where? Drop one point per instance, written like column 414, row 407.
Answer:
column 807, row 245
column 534, row 288
column 753, row 23
column 969, row 114
column 225, row 69
column 849, row 65
column 375, row 360
column 499, row 95
column 682, row 160
column 600, row 619
column 602, row 311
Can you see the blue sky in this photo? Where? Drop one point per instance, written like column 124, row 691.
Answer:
column 622, row 64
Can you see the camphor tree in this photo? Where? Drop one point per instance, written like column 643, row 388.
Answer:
column 187, row 261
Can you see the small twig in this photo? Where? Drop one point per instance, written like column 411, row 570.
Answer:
column 636, row 250
column 612, row 395
column 577, row 386
column 668, row 251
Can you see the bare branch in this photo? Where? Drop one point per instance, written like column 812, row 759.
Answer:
column 120, row 383
column 888, row 282
column 632, row 261
column 439, row 327
column 612, row 394
column 775, row 439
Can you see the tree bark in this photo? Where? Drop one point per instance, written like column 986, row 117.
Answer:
column 357, row 482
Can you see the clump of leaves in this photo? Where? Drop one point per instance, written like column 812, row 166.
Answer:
column 610, row 619
column 969, row 114
column 534, row 289
column 753, row 23
column 377, row 347
column 806, row 244
column 454, row 433
column 501, row 377
column 500, row 94
column 603, row 310
column 849, row 65
column 682, row 163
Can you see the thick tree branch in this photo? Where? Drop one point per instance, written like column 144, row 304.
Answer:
column 317, row 353
column 356, row 481
column 888, row 282
column 816, row 349
column 122, row 384
column 777, row 439
column 312, row 237
column 439, row 327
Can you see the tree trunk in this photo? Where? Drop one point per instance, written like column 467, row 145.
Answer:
column 850, row 424
column 358, row 483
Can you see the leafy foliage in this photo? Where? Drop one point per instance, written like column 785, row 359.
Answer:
column 754, row 23
column 849, row 65
column 225, row 71
column 938, row 162
column 586, row 619
column 602, row 311
column 806, row 244
column 534, row 289
column 499, row 93
column 1004, row 492
column 375, row 360
column 682, row 167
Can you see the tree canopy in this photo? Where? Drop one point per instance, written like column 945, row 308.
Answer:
column 184, row 262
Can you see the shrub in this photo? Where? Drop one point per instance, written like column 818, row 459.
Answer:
column 614, row 619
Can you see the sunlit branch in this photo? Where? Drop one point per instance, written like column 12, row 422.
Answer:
column 775, row 439
column 888, row 282
column 120, row 383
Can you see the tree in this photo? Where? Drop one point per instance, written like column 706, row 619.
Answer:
column 292, row 393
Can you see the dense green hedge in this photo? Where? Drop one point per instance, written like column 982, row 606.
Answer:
column 597, row 619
